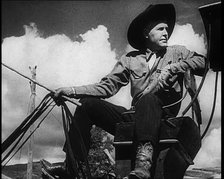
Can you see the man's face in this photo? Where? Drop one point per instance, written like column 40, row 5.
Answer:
column 157, row 37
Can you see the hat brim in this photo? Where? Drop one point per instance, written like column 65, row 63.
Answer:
column 151, row 14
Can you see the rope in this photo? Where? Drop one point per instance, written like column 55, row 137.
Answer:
column 203, row 79
column 25, row 124
column 83, row 148
column 18, row 140
column 17, row 135
column 41, row 85
column 29, row 135
column 20, row 131
column 213, row 107
column 170, row 105
column 70, row 153
column 198, row 90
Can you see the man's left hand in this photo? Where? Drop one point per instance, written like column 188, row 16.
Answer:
column 164, row 77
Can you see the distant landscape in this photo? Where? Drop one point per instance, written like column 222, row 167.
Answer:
column 18, row 171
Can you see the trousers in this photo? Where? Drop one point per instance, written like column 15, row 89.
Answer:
column 94, row 111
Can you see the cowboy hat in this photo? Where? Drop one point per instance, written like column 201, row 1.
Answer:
column 152, row 14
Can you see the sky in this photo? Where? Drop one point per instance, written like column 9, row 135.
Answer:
column 78, row 42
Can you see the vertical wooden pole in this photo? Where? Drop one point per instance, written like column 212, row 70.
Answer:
column 31, row 140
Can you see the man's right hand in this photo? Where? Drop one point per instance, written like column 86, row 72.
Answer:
column 66, row 91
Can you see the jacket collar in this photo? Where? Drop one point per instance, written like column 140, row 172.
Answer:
column 158, row 53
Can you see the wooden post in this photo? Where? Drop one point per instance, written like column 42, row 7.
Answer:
column 31, row 109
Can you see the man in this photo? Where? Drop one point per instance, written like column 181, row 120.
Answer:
column 155, row 72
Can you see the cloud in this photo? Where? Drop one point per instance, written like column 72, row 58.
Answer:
column 63, row 62
column 185, row 35
column 210, row 153
column 60, row 62
column 206, row 98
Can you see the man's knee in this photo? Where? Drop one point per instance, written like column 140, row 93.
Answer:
column 89, row 102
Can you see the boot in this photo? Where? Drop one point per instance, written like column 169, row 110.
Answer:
column 143, row 162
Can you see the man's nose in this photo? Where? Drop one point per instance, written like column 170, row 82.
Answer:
column 165, row 33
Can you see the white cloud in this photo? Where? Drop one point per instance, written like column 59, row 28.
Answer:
column 206, row 96
column 4, row 92
column 210, row 153
column 63, row 62
column 185, row 35
column 60, row 62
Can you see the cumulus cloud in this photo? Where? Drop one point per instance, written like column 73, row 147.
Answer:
column 185, row 35
column 60, row 62
column 210, row 153
column 63, row 62
column 206, row 98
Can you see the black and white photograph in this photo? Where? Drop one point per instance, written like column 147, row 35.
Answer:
column 111, row 89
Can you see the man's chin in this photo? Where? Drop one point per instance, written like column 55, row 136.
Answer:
column 162, row 46
column 159, row 46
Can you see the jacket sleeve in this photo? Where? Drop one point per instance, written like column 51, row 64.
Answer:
column 188, row 60
column 110, row 84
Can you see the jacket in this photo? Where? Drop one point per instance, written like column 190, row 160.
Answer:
column 133, row 68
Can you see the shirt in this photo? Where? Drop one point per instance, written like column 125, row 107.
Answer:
column 133, row 68
column 152, row 60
